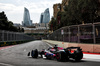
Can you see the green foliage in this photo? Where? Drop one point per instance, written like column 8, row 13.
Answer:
column 20, row 29
column 52, row 24
column 7, row 25
column 82, row 10
column 76, row 12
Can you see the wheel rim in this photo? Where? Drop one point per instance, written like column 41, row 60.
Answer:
column 58, row 56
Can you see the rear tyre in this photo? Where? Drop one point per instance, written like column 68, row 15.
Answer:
column 78, row 56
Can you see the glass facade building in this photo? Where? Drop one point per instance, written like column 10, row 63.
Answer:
column 45, row 16
column 26, row 19
column 41, row 18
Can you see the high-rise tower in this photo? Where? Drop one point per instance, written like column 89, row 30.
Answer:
column 26, row 20
column 45, row 16
column 41, row 18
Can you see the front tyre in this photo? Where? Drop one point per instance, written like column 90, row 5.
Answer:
column 34, row 53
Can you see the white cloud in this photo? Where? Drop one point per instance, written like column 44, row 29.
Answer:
column 14, row 11
column 6, row 7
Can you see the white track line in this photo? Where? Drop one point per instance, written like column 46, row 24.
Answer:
column 7, row 48
column 94, row 60
column 5, row 64
column 49, row 45
column 91, row 56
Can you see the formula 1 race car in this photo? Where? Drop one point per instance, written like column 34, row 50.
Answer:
column 59, row 53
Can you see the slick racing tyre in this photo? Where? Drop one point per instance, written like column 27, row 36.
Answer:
column 62, row 56
column 78, row 56
column 34, row 53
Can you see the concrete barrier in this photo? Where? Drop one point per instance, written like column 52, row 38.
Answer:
column 6, row 43
column 86, row 47
column 96, row 48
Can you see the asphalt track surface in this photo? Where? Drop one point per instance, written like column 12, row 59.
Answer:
column 17, row 56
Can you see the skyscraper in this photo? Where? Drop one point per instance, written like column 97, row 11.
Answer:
column 41, row 18
column 26, row 20
column 45, row 16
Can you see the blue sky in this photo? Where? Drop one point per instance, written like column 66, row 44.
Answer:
column 14, row 9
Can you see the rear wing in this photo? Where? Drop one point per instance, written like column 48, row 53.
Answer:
column 69, row 48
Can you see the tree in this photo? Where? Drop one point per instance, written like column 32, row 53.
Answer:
column 53, row 24
column 76, row 12
column 82, row 10
column 5, row 24
column 22, row 30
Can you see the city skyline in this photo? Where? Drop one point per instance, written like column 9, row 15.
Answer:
column 14, row 9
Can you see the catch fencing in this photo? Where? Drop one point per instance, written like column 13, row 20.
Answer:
column 85, row 33
column 13, row 36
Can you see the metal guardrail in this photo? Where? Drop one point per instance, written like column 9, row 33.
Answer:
column 87, row 33
column 13, row 36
